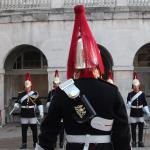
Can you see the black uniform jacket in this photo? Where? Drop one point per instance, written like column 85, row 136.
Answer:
column 141, row 100
column 33, row 100
column 51, row 95
column 107, row 102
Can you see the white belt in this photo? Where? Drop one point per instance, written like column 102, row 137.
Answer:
column 27, row 106
column 141, row 106
column 87, row 139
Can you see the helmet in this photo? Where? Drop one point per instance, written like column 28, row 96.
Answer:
column 84, row 53
column 28, row 82
column 135, row 81
column 56, row 79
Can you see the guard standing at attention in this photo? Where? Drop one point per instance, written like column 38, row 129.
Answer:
column 28, row 100
column 136, row 101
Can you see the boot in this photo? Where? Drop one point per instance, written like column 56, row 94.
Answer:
column 134, row 144
column 140, row 144
column 23, row 146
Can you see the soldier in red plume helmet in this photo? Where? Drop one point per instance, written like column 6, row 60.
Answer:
column 56, row 82
column 136, row 102
column 93, row 111
column 28, row 100
column 51, row 94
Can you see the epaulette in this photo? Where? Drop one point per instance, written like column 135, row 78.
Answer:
column 70, row 89
column 131, row 91
column 20, row 92
column 35, row 95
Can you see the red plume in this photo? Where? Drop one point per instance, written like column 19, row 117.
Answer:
column 135, row 75
column 28, row 76
column 91, row 53
column 56, row 73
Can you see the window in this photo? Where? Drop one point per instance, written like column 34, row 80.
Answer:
column 30, row 60
column 143, row 58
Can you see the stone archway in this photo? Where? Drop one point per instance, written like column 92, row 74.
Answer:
column 107, row 60
column 142, row 67
column 23, row 59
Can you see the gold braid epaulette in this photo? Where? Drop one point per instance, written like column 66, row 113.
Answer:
column 33, row 98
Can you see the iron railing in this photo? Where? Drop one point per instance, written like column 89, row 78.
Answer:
column 90, row 3
column 24, row 4
column 46, row 4
column 139, row 2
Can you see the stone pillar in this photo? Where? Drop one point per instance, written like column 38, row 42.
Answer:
column 2, row 107
column 122, row 2
column 123, row 76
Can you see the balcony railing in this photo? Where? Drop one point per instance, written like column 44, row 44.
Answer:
column 24, row 4
column 139, row 3
column 91, row 3
column 49, row 4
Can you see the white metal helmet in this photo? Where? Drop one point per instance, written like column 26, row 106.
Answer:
column 135, row 81
column 56, row 79
column 28, row 82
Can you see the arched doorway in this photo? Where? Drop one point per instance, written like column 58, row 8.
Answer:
column 142, row 67
column 23, row 59
column 107, row 60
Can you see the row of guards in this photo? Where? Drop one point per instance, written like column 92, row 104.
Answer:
column 92, row 110
column 27, row 103
column 56, row 81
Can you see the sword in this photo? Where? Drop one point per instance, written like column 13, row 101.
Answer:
column 38, row 121
column 12, row 111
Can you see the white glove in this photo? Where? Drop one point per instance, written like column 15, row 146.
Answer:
column 146, row 110
column 48, row 104
column 38, row 147
column 129, row 105
column 40, row 107
column 16, row 106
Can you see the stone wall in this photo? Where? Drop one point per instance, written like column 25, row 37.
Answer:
column 121, row 30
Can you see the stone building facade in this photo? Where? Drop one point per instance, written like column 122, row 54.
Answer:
column 35, row 37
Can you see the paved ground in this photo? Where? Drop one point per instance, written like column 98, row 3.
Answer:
column 10, row 138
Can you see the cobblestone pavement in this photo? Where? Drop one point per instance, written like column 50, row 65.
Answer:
column 10, row 138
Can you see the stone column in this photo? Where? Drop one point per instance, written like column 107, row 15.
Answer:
column 123, row 76
column 2, row 107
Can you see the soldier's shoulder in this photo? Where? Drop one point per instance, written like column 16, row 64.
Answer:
column 21, row 92
column 131, row 92
column 107, row 83
column 36, row 93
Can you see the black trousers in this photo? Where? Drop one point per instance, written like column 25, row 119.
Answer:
column 140, row 131
column 24, row 132
column 61, row 133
